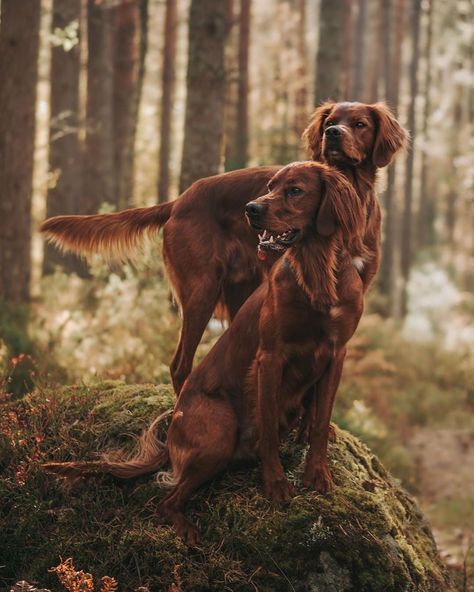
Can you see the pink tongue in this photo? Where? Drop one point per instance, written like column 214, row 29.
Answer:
column 261, row 255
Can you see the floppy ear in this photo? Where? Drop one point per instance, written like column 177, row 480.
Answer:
column 391, row 137
column 341, row 207
column 313, row 134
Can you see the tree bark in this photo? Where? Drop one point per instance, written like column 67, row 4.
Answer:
column 453, row 180
column 206, row 82
column 385, row 48
column 64, row 144
column 126, row 94
column 19, row 42
column 374, row 48
column 388, row 269
column 426, row 204
column 241, row 137
column 407, row 226
column 348, row 51
column 301, row 96
column 330, row 54
column 168, row 86
column 99, row 158
column 359, row 53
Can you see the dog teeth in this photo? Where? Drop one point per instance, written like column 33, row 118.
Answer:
column 271, row 239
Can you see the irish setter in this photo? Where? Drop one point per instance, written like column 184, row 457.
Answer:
column 290, row 335
column 209, row 251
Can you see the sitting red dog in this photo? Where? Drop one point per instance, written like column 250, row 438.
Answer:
column 288, row 337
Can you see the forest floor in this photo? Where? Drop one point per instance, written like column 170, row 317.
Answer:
column 445, row 460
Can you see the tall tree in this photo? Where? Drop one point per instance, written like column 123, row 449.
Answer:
column 99, row 158
column 206, row 81
column 426, row 205
column 392, row 73
column 301, row 95
column 65, row 192
column 242, row 131
column 330, row 54
column 452, row 198
column 236, row 111
column 407, row 226
column 374, row 48
column 19, row 42
column 385, row 44
column 127, row 46
column 348, row 52
column 168, row 87
column 359, row 51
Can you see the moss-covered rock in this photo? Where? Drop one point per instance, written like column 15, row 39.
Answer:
column 366, row 536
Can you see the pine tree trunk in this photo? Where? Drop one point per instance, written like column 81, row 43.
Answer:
column 407, row 226
column 348, row 51
column 65, row 148
column 385, row 48
column 99, row 158
column 374, row 47
column 388, row 268
column 206, row 83
column 426, row 212
column 301, row 96
column 126, row 94
column 19, row 42
column 359, row 53
column 453, row 180
column 330, row 54
column 168, row 86
column 241, row 137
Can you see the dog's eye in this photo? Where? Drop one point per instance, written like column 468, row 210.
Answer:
column 360, row 124
column 292, row 191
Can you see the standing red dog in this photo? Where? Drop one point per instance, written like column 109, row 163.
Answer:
column 208, row 249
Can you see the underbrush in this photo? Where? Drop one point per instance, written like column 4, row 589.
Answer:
column 391, row 386
column 119, row 324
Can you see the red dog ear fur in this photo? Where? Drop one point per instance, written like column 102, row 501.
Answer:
column 313, row 134
column 341, row 207
column 390, row 138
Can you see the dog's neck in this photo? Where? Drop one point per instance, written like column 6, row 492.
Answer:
column 362, row 177
column 314, row 261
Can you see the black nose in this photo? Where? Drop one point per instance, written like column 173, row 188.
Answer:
column 254, row 209
column 333, row 131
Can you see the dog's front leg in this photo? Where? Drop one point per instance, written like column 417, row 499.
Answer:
column 276, row 485
column 317, row 474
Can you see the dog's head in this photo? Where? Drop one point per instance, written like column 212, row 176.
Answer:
column 350, row 134
column 307, row 199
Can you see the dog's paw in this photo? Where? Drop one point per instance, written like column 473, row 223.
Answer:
column 318, row 477
column 280, row 491
column 188, row 532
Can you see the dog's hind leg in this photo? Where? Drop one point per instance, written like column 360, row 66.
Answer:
column 197, row 310
column 197, row 290
column 201, row 442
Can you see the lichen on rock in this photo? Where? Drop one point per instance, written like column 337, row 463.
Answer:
column 368, row 535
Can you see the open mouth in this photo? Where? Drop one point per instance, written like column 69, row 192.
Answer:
column 270, row 241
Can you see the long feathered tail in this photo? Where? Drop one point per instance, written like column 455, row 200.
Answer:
column 150, row 455
column 115, row 236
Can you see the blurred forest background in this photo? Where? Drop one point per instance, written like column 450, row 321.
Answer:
column 108, row 104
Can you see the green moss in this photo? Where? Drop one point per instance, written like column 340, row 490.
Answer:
column 366, row 536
